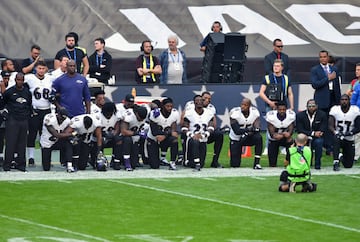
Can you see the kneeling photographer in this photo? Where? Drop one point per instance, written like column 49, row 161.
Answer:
column 297, row 164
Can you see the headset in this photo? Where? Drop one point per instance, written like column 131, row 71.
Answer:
column 216, row 22
column 142, row 45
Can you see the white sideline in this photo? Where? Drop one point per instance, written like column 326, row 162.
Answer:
column 25, row 221
column 58, row 173
column 238, row 205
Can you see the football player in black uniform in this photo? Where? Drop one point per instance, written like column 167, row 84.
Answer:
column 344, row 122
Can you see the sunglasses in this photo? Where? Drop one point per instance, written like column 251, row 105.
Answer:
column 280, row 46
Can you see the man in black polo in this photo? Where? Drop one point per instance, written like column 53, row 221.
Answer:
column 18, row 104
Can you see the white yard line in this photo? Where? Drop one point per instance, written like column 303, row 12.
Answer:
column 358, row 177
column 25, row 221
column 238, row 205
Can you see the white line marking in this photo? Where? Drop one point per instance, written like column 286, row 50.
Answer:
column 64, row 181
column 162, row 179
column 258, row 178
column 358, row 177
column 53, row 228
column 15, row 182
column 209, row 178
column 239, row 206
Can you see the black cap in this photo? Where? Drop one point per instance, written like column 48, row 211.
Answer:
column 5, row 74
column 129, row 98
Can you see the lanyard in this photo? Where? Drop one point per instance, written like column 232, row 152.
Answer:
column 101, row 59
column 68, row 54
column 283, row 83
column 173, row 59
column 148, row 65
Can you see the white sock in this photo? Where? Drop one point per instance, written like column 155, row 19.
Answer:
column 31, row 152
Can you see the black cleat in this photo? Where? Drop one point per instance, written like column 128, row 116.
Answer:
column 216, row 165
column 32, row 162
column 197, row 167
column 336, row 166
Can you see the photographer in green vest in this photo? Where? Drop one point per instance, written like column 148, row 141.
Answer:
column 297, row 163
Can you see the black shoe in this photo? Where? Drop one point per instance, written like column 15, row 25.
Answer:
column 216, row 165
column 336, row 166
column 13, row 165
column 116, row 166
column 257, row 167
column 31, row 162
column 197, row 167
column 23, row 169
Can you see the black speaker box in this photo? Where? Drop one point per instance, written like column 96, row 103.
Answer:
column 235, row 47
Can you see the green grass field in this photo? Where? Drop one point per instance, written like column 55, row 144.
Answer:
column 122, row 206
column 186, row 209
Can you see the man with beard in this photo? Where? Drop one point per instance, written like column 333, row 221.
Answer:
column 198, row 125
column 148, row 66
column 82, row 127
column 245, row 131
column 162, row 134
column 131, row 129
column 29, row 64
column 71, row 91
column 73, row 53
column 281, row 123
column 8, row 65
column 344, row 122
column 40, row 87
column 312, row 122
column 216, row 137
column 173, row 63
column 53, row 137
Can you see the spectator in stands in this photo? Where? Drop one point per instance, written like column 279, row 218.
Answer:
column 355, row 81
column 18, row 103
column 173, row 63
column 29, row 64
column 245, row 131
column 276, row 54
column 73, row 53
column 312, row 122
column 71, row 91
column 355, row 100
column 325, row 81
column 215, row 28
column 100, row 62
column 61, row 69
column 281, row 124
column 148, row 68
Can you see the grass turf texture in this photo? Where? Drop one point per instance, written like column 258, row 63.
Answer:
column 186, row 209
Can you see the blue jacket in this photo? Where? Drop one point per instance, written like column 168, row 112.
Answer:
column 320, row 83
column 164, row 62
column 355, row 97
